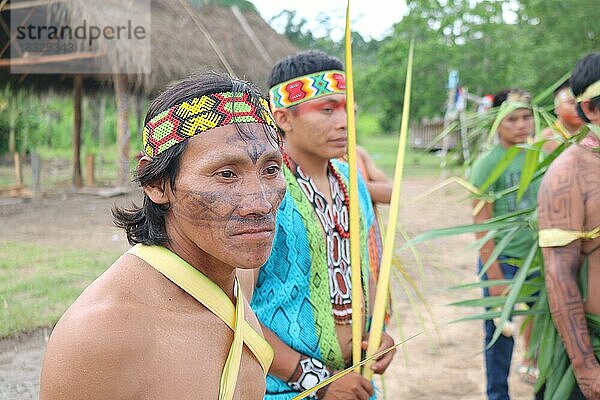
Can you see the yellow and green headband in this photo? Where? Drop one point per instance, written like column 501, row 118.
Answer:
column 592, row 91
column 200, row 114
column 307, row 87
column 563, row 96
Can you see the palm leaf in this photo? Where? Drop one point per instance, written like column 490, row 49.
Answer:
column 494, row 314
column 518, row 281
column 498, row 249
column 529, row 168
column 491, row 302
column 508, row 157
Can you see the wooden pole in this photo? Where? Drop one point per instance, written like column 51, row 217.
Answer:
column 100, row 124
column 18, row 170
column 89, row 170
column 36, row 169
column 76, row 145
column 123, row 133
column 12, row 123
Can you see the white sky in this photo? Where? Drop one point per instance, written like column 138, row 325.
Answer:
column 371, row 18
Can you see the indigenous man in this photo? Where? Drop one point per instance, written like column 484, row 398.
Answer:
column 168, row 320
column 569, row 206
column 303, row 293
column 515, row 128
column 568, row 121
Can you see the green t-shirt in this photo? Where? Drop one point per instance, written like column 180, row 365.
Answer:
column 524, row 238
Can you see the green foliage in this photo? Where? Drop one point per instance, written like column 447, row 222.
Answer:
column 382, row 149
column 38, row 283
column 367, row 124
column 493, row 44
column 44, row 122
column 490, row 54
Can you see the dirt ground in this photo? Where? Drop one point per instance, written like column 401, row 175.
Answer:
column 446, row 364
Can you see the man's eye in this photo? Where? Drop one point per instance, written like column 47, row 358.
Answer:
column 327, row 110
column 272, row 170
column 226, row 174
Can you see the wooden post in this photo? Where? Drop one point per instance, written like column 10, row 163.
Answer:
column 36, row 169
column 89, row 170
column 100, row 125
column 76, row 145
column 123, row 133
column 18, row 170
column 12, row 123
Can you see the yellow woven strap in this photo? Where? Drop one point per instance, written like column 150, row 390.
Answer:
column 234, row 358
column 213, row 298
column 555, row 237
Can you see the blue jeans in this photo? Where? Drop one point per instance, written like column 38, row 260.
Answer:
column 497, row 357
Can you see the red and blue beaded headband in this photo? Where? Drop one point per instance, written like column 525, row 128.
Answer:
column 200, row 114
column 307, row 87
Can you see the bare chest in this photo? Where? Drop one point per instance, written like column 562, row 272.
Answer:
column 187, row 359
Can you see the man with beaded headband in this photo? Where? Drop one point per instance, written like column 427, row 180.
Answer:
column 567, row 122
column 569, row 221
column 168, row 319
column 515, row 126
column 303, row 293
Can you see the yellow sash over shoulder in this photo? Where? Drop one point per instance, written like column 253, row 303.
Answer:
column 555, row 237
column 212, row 297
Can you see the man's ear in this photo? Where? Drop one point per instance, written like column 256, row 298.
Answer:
column 592, row 115
column 156, row 190
column 282, row 118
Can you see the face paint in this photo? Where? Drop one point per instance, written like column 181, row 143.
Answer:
column 321, row 106
column 564, row 96
column 227, row 193
column 565, row 108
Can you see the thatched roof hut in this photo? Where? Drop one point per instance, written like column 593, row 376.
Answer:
column 183, row 40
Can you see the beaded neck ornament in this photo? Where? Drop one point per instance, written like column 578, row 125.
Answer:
column 344, row 233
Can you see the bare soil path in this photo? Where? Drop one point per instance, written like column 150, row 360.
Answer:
column 443, row 365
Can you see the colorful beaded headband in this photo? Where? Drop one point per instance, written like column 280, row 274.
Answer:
column 201, row 114
column 592, row 91
column 307, row 87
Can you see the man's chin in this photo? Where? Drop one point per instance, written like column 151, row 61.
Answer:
column 254, row 260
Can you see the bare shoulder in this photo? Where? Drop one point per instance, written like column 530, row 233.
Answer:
column 569, row 181
column 98, row 342
column 563, row 170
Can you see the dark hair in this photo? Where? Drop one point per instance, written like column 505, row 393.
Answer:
column 586, row 72
column 146, row 224
column 502, row 95
column 303, row 63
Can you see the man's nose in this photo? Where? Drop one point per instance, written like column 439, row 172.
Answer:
column 255, row 199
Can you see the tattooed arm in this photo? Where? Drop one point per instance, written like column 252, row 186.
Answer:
column 561, row 205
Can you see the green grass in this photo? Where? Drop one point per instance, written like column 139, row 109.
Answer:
column 105, row 173
column 38, row 283
column 383, row 150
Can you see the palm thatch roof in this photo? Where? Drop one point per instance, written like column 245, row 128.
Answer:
column 184, row 40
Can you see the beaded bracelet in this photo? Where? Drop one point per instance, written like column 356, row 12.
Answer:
column 308, row 373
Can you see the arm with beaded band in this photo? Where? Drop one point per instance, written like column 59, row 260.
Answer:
column 288, row 366
column 298, row 370
column 308, row 373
